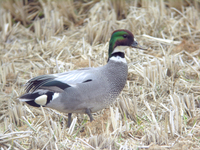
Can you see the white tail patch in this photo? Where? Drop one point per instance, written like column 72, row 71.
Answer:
column 41, row 100
column 55, row 95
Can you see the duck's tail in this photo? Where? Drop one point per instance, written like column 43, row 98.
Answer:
column 39, row 97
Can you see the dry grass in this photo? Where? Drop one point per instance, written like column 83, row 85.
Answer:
column 158, row 109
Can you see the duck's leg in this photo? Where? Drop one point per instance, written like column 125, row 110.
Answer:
column 88, row 112
column 69, row 119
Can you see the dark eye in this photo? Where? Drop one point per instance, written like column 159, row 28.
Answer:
column 125, row 36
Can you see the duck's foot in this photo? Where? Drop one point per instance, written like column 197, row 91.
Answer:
column 69, row 119
column 88, row 112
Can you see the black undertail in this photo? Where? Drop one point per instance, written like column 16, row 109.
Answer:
column 32, row 96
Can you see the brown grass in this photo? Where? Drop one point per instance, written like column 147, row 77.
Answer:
column 159, row 107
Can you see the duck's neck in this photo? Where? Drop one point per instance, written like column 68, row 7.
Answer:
column 118, row 54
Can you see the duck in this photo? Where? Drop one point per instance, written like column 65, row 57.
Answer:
column 85, row 90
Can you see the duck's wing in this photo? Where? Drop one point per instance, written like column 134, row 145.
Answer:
column 61, row 81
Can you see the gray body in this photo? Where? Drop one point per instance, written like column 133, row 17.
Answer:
column 107, row 83
column 85, row 90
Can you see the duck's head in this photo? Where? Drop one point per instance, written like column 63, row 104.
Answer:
column 119, row 40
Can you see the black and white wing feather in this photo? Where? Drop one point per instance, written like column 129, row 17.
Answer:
column 61, row 81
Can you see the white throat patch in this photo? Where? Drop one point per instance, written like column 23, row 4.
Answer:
column 118, row 58
column 120, row 49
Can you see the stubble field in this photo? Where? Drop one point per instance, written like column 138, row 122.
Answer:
column 159, row 107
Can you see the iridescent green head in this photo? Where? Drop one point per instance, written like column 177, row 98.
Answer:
column 121, row 38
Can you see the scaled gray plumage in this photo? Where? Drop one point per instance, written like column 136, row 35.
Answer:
column 100, row 90
column 85, row 90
